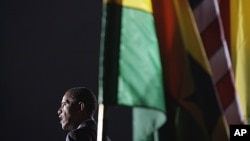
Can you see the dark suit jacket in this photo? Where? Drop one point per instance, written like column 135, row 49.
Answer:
column 85, row 132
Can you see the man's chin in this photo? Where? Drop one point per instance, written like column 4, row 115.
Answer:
column 65, row 127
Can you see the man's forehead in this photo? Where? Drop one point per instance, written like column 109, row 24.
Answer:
column 66, row 98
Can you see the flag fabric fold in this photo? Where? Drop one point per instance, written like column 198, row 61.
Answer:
column 188, row 75
column 240, row 50
column 130, row 66
column 208, row 20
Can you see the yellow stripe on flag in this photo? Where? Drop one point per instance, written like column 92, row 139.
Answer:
column 240, row 49
column 144, row 5
column 193, row 45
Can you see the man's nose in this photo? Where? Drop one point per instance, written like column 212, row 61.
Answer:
column 59, row 111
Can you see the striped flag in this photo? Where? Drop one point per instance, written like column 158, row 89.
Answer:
column 207, row 16
column 196, row 113
column 130, row 66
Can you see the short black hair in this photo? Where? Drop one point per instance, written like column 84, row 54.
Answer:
column 85, row 95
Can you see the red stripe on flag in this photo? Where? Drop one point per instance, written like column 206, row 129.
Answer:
column 224, row 13
column 211, row 38
column 226, row 90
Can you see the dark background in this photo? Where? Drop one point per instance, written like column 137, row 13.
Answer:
column 46, row 47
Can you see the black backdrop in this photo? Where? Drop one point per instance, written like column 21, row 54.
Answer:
column 46, row 47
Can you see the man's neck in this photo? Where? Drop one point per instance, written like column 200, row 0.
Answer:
column 83, row 124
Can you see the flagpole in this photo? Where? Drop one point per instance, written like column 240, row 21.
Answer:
column 100, row 122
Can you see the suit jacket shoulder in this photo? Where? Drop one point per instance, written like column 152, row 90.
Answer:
column 85, row 133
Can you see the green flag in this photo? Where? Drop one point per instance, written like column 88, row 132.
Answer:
column 130, row 66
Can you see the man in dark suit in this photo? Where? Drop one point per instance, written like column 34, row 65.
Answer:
column 76, row 114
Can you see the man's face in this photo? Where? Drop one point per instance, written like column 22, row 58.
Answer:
column 68, row 112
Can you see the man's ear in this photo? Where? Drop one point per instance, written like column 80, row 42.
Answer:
column 81, row 105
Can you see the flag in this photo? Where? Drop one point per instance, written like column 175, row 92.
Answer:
column 224, row 8
column 197, row 114
column 240, row 50
column 208, row 20
column 130, row 66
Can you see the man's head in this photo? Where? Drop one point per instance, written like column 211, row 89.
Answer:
column 78, row 104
